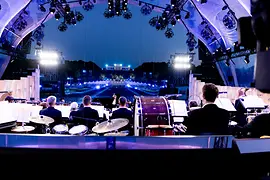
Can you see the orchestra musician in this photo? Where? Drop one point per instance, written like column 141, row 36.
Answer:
column 240, row 116
column 123, row 112
column 73, row 110
column 210, row 119
column 9, row 98
column 87, row 115
column 259, row 126
column 50, row 111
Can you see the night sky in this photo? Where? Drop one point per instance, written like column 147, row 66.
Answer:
column 116, row 40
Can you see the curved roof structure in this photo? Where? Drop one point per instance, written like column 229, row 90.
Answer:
column 213, row 22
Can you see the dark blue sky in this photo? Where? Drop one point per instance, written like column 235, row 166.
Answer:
column 116, row 40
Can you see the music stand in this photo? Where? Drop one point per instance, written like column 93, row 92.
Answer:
column 252, row 102
column 225, row 103
column 178, row 110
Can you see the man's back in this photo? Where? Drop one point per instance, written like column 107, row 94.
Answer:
column 208, row 120
column 123, row 113
column 53, row 113
column 88, row 115
column 260, row 126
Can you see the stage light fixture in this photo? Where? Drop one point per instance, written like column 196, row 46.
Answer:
column 67, row 9
column 52, row 10
column 79, row 16
column 146, row 10
column 224, row 8
column 127, row 15
column 246, row 60
column 202, row 1
column 173, row 2
column 153, row 21
column 173, row 22
column 42, row 8
column 227, row 63
column 62, row 27
column 87, row 6
column 187, row 15
column 169, row 33
column 57, row 16
column 178, row 17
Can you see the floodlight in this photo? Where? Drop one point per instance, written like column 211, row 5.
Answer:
column 184, row 59
column 182, row 66
column 48, row 55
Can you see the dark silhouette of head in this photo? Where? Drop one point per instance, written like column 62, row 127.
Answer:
column 210, row 92
column 87, row 100
column 122, row 101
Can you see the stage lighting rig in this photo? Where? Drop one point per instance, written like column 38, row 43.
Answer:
column 169, row 17
column 117, row 8
column 146, row 9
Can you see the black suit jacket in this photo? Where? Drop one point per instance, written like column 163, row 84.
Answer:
column 208, row 120
column 127, row 114
column 87, row 115
column 240, row 116
column 260, row 126
column 53, row 113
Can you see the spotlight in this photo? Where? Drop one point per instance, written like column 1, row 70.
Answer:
column 173, row 3
column 225, row 7
column 227, row 62
column 67, row 8
column 73, row 21
column 57, row 16
column 62, row 27
column 164, row 15
column 173, row 22
column 42, row 8
column 127, row 15
column 63, row 1
column 52, row 10
column 246, row 60
column 87, row 6
column 187, row 15
column 153, row 21
column 79, row 16
column 202, row 1
column 146, row 9
column 178, row 17
column 169, row 33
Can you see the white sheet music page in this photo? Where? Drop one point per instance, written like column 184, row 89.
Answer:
column 250, row 102
column 225, row 103
column 178, row 107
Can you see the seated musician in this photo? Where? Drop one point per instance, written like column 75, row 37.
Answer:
column 9, row 98
column 259, row 126
column 193, row 105
column 240, row 116
column 86, row 115
column 50, row 111
column 210, row 119
column 73, row 110
column 123, row 112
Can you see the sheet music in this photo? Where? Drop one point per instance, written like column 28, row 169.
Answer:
column 178, row 107
column 225, row 103
column 64, row 109
column 100, row 110
column 250, row 102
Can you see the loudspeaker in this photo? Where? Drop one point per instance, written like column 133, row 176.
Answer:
column 246, row 36
column 262, row 72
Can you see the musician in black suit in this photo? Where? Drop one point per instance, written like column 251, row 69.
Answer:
column 259, row 126
column 73, row 110
column 240, row 116
column 210, row 119
column 87, row 115
column 50, row 111
column 123, row 112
